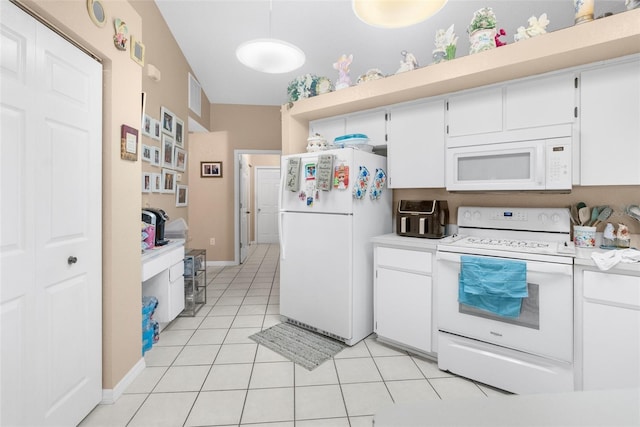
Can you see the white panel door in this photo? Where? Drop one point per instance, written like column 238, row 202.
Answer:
column 267, row 182
column 50, row 227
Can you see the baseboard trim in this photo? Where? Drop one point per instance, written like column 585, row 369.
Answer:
column 220, row 263
column 109, row 396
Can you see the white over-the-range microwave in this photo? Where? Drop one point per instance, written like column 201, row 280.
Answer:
column 536, row 164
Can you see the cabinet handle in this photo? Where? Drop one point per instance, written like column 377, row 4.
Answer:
column 72, row 260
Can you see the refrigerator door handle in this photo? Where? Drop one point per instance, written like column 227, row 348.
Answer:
column 281, row 236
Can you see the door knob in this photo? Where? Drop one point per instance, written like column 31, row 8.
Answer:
column 72, row 260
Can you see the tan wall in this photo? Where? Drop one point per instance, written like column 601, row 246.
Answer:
column 171, row 92
column 121, row 200
column 211, row 200
column 615, row 196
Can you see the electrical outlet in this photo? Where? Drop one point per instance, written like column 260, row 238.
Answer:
column 212, row 241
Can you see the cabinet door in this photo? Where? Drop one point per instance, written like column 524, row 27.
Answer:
column 611, row 331
column 538, row 102
column 371, row 123
column 403, row 308
column 609, row 125
column 475, row 112
column 415, row 147
column 328, row 128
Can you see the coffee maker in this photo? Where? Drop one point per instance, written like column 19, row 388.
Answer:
column 157, row 218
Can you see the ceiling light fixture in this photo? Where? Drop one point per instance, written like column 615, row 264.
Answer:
column 270, row 55
column 395, row 13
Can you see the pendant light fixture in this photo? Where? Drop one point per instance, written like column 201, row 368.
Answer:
column 395, row 13
column 270, row 55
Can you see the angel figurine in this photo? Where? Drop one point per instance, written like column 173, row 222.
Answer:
column 536, row 27
column 445, row 45
column 408, row 63
column 342, row 65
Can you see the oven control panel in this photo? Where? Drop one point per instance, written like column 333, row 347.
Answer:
column 529, row 219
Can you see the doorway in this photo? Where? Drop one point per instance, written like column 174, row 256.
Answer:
column 244, row 230
column 267, row 184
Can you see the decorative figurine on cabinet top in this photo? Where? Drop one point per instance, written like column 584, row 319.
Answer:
column 445, row 42
column 499, row 34
column 372, row 74
column 536, row 27
column 342, row 65
column 482, row 30
column 120, row 37
column 408, row 63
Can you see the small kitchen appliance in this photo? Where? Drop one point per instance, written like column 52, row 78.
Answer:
column 157, row 218
column 422, row 218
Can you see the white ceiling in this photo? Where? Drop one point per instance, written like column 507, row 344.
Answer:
column 208, row 32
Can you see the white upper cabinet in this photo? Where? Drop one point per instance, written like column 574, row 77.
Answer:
column 545, row 101
column 415, row 146
column 475, row 112
column 370, row 123
column 329, row 128
column 532, row 108
column 610, row 125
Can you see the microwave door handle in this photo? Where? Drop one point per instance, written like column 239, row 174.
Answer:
column 540, row 164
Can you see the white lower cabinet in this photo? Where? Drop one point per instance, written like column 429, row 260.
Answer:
column 403, row 297
column 608, row 330
column 162, row 277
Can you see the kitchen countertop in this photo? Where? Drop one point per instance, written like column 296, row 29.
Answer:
column 584, row 408
column 392, row 239
column 583, row 258
column 159, row 250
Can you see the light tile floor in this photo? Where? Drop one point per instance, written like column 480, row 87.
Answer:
column 205, row 371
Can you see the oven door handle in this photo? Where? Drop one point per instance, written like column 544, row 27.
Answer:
column 532, row 266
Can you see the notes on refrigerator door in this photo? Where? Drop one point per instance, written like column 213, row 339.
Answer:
column 324, row 172
column 293, row 174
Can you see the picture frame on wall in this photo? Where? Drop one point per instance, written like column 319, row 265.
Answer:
column 156, row 155
column 180, row 159
column 211, row 169
column 168, row 181
column 167, row 121
column 147, row 126
column 179, row 138
column 146, row 182
column 147, row 153
column 156, row 183
column 167, row 151
column 137, row 51
column 128, row 143
column 155, row 129
column 182, row 195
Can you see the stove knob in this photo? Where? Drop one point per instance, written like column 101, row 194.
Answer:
column 467, row 215
column 543, row 218
column 476, row 215
column 555, row 218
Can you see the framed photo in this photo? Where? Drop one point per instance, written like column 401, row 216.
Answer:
column 155, row 156
column 147, row 153
column 147, row 126
column 168, row 181
column 180, row 159
column 167, row 121
column 179, row 133
column 167, row 151
column 156, row 183
column 155, row 129
column 211, row 169
column 128, row 143
column 182, row 195
column 146, row 182
column 137, row 51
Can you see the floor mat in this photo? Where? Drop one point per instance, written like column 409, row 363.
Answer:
column 307, row 349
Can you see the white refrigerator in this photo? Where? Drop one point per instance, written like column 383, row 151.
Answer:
column 331, row 204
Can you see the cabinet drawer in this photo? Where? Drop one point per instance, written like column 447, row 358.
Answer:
column 176, row 270
column 614, row 288
column 403, row 259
